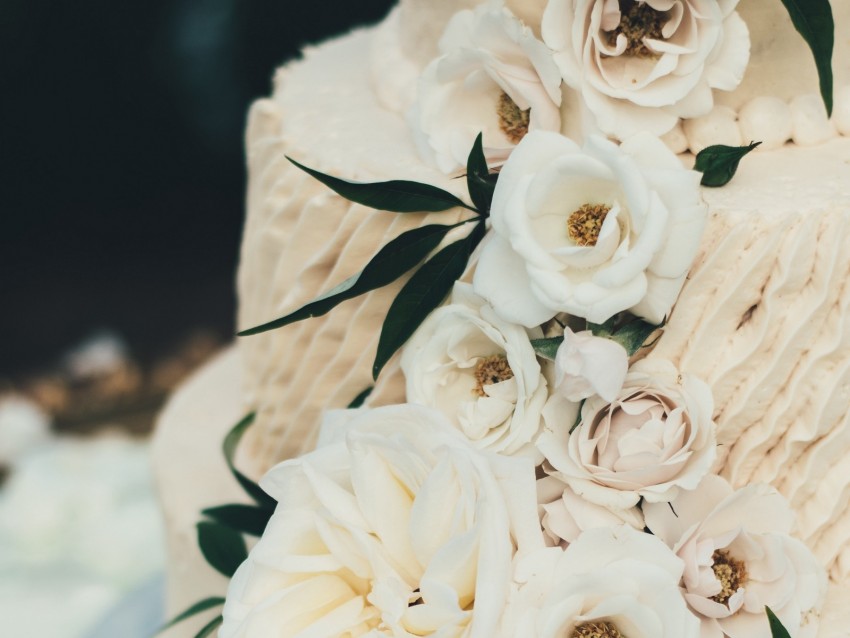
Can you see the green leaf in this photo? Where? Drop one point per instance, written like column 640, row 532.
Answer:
column 633, row 335
column 423, row 293
column 719, row 163
column 223, row 548
column 577, row 422
column 231, row 442
column 208, row 629
column 197, row 608
column 547, row 348
column 777, row 629
column 395, row 196
column 392, row 261
column 360, row 399
column 603, row 329
column 479, row 181
column 813, row 20
column 248, row 519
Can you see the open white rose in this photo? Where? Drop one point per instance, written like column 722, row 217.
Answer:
column 640, row 65
column 394, row 527
column 565, row 514
column 586, row 365
column 655, row 438
column 610, row 582
column 493, row 77
column 480, row 371
column 739, row 557
column 590, row 231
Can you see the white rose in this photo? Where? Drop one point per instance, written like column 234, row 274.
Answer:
column 590, row 231
column 495, row 78
column 609, row 582
column 739, row 558
column 394, row 526
column 565, row 514
column 655, row 438
column 586, row 365
column 480, row 371
column 640, row 65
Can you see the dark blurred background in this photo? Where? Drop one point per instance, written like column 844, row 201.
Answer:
column 122, row 163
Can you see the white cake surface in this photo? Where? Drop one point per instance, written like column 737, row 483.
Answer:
column 763, row 317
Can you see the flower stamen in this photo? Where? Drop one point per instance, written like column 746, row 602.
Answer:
column 730, row 573
column 597, row 630
column 490, row 370
column 638, row 21
column 512, row 120
column 585, row 223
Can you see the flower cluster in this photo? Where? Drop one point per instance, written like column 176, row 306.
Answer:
column 548, row 476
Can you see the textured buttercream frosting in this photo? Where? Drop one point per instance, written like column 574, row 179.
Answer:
column 763, row 317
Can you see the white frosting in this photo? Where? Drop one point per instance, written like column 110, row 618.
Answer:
column 811, row 123
column 718, row 127
column 767, row 120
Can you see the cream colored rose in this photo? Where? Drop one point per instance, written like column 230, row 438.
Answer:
column 394, row 527
column 590, row 231
column 657, row 437
column 640, row 65
column 565, row 514
column 739, row 558
column 586, row 365
column 480, row 371
column 493, row 77
column 611, row 581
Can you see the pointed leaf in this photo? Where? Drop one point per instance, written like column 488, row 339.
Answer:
column 777, row 629
column 577, row 422
column 197, row 608
column 547, row 348
column 719, row 163
column 479, row 182
column 391, row 262
column 208, row 629
column 422, row 294
column 231, row 442
column 395, row 196
column 633, row 335
column 814, row 21
column 248, row 519
column 360, row 399
column 223, row 548
column 603, row 329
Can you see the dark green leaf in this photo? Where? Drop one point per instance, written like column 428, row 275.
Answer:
column 231, row 442
column 396, row 196
column 208, row 629
column 391, row 262
column 360, row 399
column 603, row 329
column 577, row 422
column 423, row 293
column 197, row 608
column 633, row 335
column 547, row 348
column 223, row 548
column 248, row 519
column 777, row 629
column 480, row 183
column 718, row 163
column 813, row 19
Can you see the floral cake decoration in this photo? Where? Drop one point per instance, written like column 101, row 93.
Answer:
column 548, row 476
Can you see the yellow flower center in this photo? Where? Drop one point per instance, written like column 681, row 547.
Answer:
column 597, row 630
column 638, row 21
column 731, row 573
column 490, row 370
column 585, row 223
column 512, row 120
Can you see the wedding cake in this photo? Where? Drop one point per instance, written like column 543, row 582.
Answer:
column 755, row 276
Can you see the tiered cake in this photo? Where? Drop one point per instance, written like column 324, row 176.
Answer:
column 763, row 317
